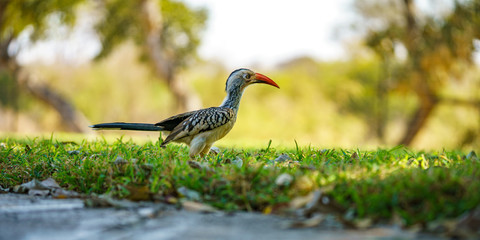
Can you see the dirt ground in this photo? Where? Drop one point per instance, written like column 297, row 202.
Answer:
column 28, row 217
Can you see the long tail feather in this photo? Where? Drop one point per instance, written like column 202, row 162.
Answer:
column 127, row 126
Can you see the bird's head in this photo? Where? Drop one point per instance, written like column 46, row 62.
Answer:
column 241, row 78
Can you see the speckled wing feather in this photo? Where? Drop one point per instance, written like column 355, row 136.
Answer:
column 201, row 121
column 170, row 123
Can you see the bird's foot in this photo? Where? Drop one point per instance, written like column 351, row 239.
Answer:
column 214, row 151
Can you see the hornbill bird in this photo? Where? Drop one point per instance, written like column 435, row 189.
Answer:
column 200, row 129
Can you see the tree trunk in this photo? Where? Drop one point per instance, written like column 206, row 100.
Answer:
column 72, row 119
column 418, row 121
column 12, row 88
column 164, row 67
column 419, row 78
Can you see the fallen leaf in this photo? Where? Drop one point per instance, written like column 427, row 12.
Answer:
column 195, row 164
column 277, row 209
column 96, row 202
column 107, row 201
column 62, row 193
column 50, row 183
column 282, row 158
column 32, row 185
column 120, row 161
column 307, row 223
column 188, row 193
column 284, row 179
column 4, row 190
column 44, row 188
column 147, row 212
column 316, row 202
column 362, row 223
column 198, row 207
column 301, row 201
column 267, row 210
column 171, row 199
column 198, row 165
column 139, row 193
column 38, row 193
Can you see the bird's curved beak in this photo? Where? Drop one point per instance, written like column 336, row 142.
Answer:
column 260, row 78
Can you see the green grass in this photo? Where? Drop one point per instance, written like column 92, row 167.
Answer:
column 417, row 186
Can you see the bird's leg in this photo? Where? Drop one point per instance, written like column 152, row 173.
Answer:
column 196, row 146
column 205, row 150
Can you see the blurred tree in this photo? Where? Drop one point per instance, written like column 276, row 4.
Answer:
column 31, row 17
column 168, row 33
column 436, row 48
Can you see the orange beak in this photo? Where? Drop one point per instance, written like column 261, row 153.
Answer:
column 260, row 78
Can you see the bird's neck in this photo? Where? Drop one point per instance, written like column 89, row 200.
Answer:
column 232, row 100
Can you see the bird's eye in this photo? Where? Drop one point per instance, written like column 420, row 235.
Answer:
column 247, row 76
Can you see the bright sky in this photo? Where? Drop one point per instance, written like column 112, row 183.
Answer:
column 266, row 32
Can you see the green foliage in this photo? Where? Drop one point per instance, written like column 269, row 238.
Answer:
column 441, row 41
column 437, row 46
column 18, row 15
column 420, row 52
column 179, row 31
column 32, row 18
column 120, row 22
column 418, row 187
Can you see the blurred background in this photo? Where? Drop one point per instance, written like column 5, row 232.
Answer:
column 353, row 73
